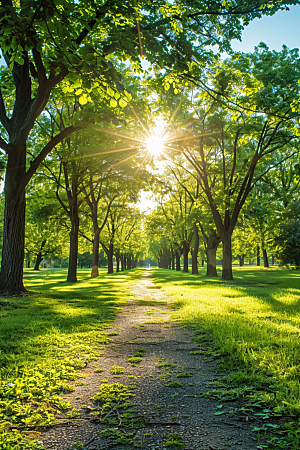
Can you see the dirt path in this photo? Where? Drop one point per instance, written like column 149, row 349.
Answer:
column 162, row 409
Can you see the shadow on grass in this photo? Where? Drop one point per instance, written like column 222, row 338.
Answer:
column 58, row 308
column 253, row 320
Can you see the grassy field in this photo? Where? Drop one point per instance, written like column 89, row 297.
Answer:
column 253, row 324
column 45, row 339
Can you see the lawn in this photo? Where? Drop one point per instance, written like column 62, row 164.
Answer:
column 253, row 325
column 46, row 339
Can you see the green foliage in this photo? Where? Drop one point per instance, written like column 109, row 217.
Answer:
column 117, row 370
column 184, row 375
column 112, row 394
column 174, row 440
column 174, row 384
column 133, row 360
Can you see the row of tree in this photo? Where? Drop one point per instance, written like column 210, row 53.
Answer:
column 67, row 87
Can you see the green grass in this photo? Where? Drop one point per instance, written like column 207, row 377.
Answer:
column 46, row 339
column 253, row 325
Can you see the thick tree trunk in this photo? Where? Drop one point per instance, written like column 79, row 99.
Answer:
column 122, row 262
column 227, row 258
column 195, row 270
column 110, row 254
column 178, row 256
column 72, row 271
column 258, row 256
column 95, row 257
column 185, row 257
column 265, row 256
column 28, row 264
column 39, row 259
column 14, row 227
column 212, row 243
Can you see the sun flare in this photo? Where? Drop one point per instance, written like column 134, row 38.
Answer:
column 155, row 144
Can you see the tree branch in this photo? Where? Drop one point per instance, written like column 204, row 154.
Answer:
column 44, row 153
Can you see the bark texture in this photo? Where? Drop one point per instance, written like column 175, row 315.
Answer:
column 227, row 258
column 265, row 256
column 185, row 248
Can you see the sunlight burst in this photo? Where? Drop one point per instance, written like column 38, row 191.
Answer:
column 155, row 144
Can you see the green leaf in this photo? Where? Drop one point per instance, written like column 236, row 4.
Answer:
column 122, row 103
column 82, row 100
column 113, row 103
column 110, row 91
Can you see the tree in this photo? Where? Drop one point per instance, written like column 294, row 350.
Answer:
column 233, row 143
column 43, row 229
column 43, row 44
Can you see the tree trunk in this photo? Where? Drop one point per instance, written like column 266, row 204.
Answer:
column 14, row 228
column 110, row 254
column 258, row 256
column 122, row 262
column 95, row 257
column 28, row 264
column 117, row 260
column 173, row 260
column 227, row 258
column 185, row 257
column 212, row 243
column 273, row 260
column 203, row 261
column 177, row 255
column 241, row 260
column 39, row 259
column 72, row 271
column 195, row 270
column 265, row 256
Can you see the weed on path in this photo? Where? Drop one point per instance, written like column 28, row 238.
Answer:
column 149, row 388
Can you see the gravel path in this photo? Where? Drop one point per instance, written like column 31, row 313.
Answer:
column 144, row 323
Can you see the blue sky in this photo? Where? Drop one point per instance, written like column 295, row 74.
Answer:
column 282, row 28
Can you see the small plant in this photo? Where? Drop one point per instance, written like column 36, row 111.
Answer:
column 117, row 436
column 111, row 394
column 77, row 446
column 73, row 414
column 117, row 370
column 167, row 364
column 174, row 440
column 184, row 375
column 133, row 360
column 174, row 384
column 98, row 370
